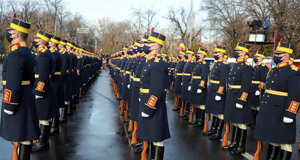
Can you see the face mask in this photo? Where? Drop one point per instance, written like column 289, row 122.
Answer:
column 186, row 57
column 8, row 37
column 277, row 59
column 129, row 52
column 140, row 49
column 216, row 57
column 255, row 60
column 179, row 57
column 34, row 44
column 48, row 46
column 197, row 57
column 236, row 55
column 147, row 49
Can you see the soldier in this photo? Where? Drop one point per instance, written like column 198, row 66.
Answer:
column 46, row 101
column 135, row 100
column 178, row 80
column 217, row 93
column 57, row 81
column 72, row 67
column 198, row 91
column 276, row 120
column 122, row 65
column 238, row 107
column 258, row 83
column 65, row 75
column 153, row 122
column 19, row 121
column 186, row 80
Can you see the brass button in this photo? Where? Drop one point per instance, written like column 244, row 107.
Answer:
column 268, row 96
column 272, row 81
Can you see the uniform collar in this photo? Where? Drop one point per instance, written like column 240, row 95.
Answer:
column 259, row 63
column 151, row 57
column 42, row 49
column 240, row 60
column 15, row 46
column 200, row 60
column 220, row 60
column 53, row 49
column 283, row 64
column 62, row 50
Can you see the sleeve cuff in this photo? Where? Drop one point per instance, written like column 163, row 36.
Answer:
column 240, row 102
column 10, row 107
column 290, row 114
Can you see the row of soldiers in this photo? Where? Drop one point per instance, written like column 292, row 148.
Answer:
column 139, row 80
column 34, row 90
column 242, row 95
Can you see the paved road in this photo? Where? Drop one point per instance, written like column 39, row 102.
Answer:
column 96, row 132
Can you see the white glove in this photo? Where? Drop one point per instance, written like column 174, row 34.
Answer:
column 189, row 88
column 238, row 105
column 145, row 115
column 139, row 99
column 115, row 73
column 257, row 93
column 128, row 86
column 287, row 120
column 8, row 112
column 169, row 73
column 38, row 97
column 217, row 98
column 181, row 83
column 200, row 91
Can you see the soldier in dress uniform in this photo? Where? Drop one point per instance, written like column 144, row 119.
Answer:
column 135, row 98
column 57, row 81
column 186, row 83
column 237, row 107
column 19, row 121
column 276, row 120
column 258, row 83
column 65, row 75
column 72, row 67
column 46, row 101
column 178, row 80
column 123, row 60
column 153, row 122
column 217, row 93
column 198, row 91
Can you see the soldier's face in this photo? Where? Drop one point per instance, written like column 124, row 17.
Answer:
column 284, row 56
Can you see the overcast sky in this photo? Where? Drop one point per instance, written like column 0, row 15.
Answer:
column 118, row 10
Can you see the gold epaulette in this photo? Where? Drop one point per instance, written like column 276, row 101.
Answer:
column 294, row 68
column 156, row 60
column 247, row 63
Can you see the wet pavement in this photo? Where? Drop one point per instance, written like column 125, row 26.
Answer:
column 96, row 132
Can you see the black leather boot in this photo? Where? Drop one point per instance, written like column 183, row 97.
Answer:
column 43, row 143
column 285, row 155
column 70, row 112
column 218, row 134
column 136, row 145
column 63, row 117
column 179, row 104
column 234, row 139
column 254, row 113
column 196, row 112
column 213, row 127
column 24, row 152
column 200, row 118
column 158, row 152
column 55, row 126
column 139, row 149
column 187, row 111
column 242, row 143
column 272, row 152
